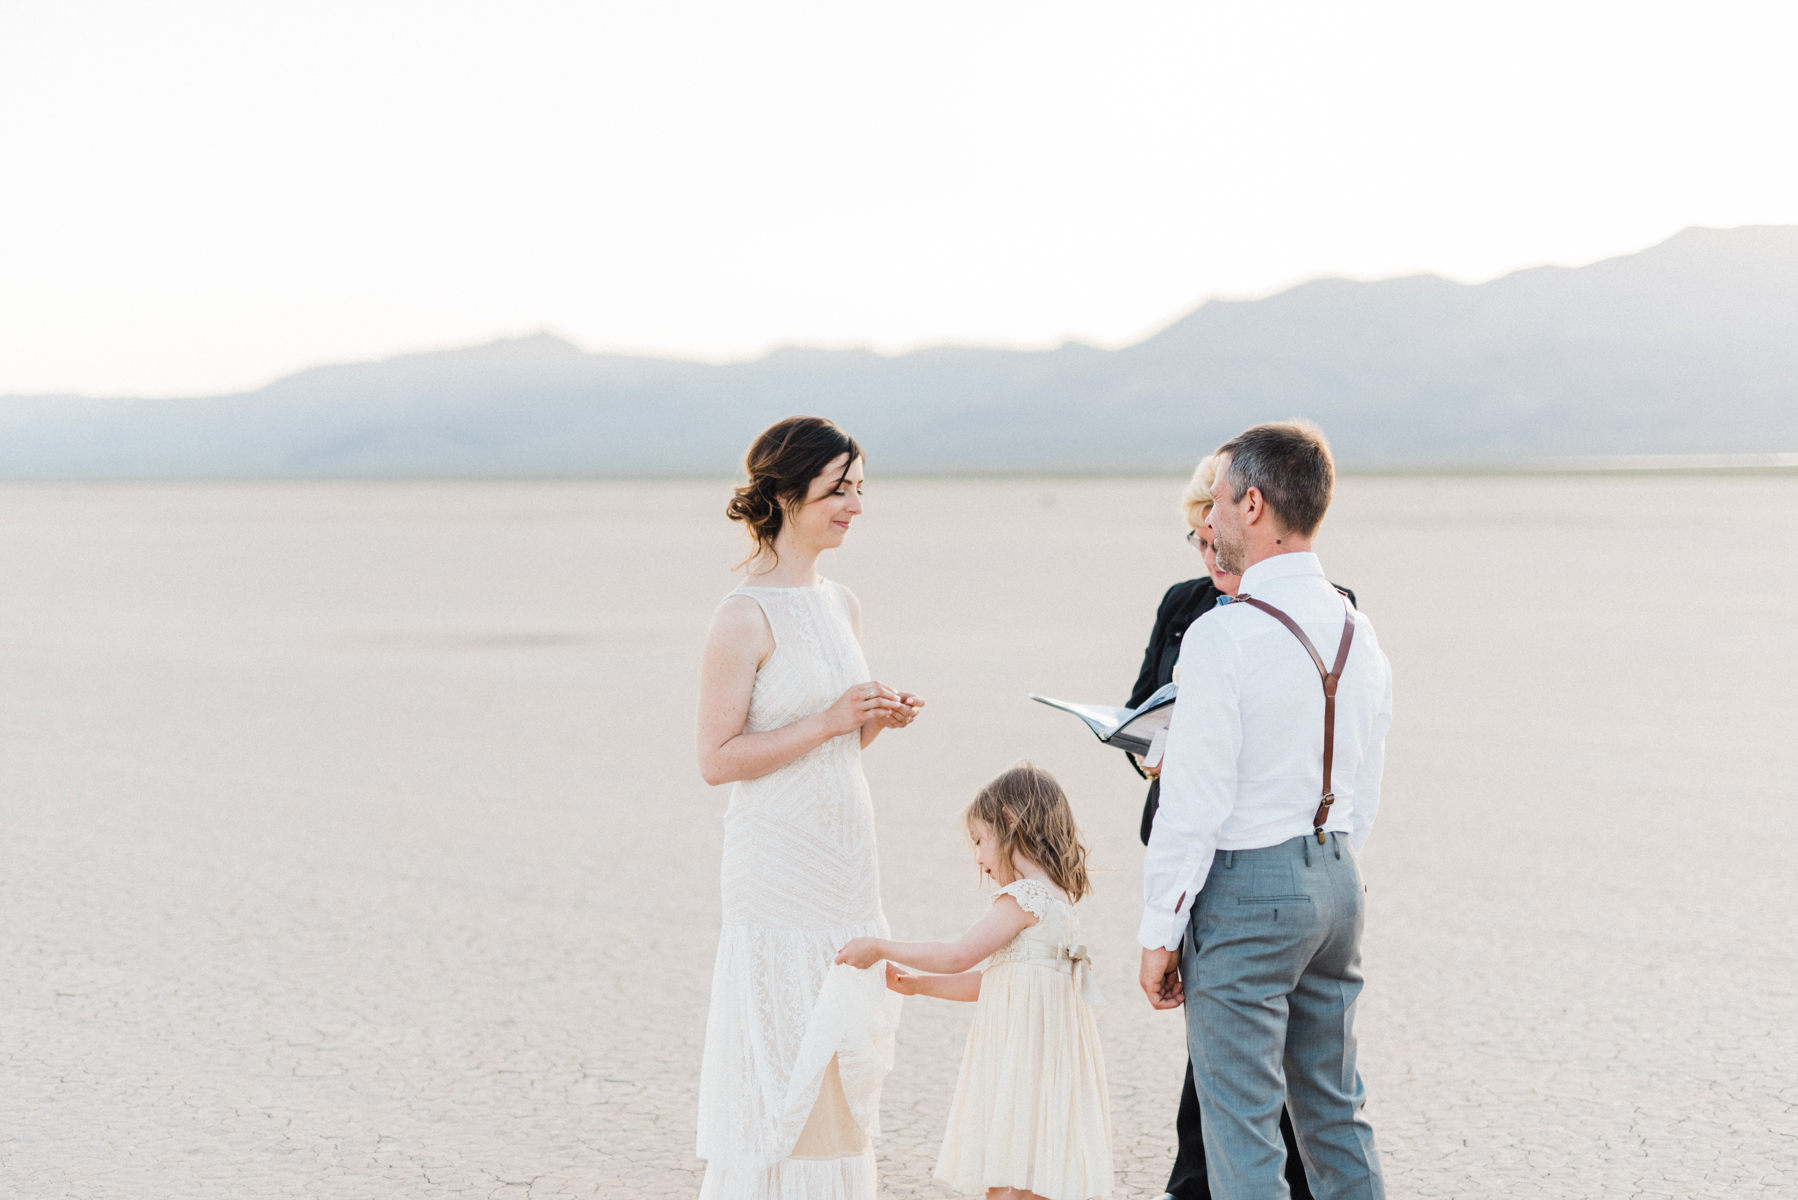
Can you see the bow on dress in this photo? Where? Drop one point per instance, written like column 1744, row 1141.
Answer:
column 1082, row 965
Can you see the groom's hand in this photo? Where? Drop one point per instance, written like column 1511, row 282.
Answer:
column 1160, row 978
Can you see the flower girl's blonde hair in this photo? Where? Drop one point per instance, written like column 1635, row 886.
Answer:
column 1030, row 814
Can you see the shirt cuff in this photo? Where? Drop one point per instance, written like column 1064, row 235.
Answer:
column 1161, row 929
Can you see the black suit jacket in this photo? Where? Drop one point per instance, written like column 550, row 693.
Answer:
column 1183, row 604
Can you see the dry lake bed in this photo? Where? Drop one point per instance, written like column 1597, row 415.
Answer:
column 351, row 843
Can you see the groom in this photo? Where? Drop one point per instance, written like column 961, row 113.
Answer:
column 1252, row 900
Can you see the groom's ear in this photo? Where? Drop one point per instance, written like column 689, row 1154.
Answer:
column 1254, row 506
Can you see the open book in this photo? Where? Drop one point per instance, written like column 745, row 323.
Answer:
column 1141, row 730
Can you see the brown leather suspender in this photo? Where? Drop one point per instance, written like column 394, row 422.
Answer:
column 1330, row 679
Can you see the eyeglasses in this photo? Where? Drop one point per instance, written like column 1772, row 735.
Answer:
column 1195, row 541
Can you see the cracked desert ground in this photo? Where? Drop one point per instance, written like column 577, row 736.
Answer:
column 351, row 843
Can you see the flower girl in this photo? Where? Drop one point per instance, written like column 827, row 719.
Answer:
column 1030, row 1118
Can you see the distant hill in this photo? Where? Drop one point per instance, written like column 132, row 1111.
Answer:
column 1689, row 346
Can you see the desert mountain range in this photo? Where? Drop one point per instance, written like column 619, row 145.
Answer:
column 1690, row 346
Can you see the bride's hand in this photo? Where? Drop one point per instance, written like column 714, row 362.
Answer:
column 861, row 953
column 904, row 714
column 860, row 704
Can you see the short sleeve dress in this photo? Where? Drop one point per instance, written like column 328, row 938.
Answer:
column 1030, row 1108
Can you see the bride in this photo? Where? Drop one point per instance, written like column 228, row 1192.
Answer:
column 786, row 1108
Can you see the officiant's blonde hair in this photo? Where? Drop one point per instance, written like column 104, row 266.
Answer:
column 1197, row 496
column 1030, row 815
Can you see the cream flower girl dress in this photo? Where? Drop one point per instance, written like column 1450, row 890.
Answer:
column 1030, row 1109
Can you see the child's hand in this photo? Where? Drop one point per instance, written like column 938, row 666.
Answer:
column 899, row 981
column 861, row 953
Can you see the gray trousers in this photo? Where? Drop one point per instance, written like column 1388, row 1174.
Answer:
column 1272, row 970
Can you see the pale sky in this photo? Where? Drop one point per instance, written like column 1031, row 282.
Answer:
column 202, row 197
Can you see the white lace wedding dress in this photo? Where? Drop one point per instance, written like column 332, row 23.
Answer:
column 795, row 1050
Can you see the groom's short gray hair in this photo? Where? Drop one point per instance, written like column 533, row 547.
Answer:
column 1290, row 462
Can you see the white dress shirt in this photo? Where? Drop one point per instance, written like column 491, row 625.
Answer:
column 1244, row 763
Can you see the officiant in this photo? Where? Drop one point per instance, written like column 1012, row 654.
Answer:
column 1183, row 604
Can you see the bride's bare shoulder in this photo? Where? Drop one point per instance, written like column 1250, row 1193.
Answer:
column 740, row 622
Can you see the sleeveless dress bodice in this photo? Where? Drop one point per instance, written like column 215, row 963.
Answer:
column 799, row 879
column 799, row 841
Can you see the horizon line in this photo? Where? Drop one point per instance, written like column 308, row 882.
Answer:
column 1585, row 464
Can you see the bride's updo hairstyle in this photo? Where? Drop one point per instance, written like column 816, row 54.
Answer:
column 1030, row 814
column 781, row 464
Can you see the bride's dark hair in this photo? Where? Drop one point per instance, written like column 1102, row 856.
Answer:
column 782, row 462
